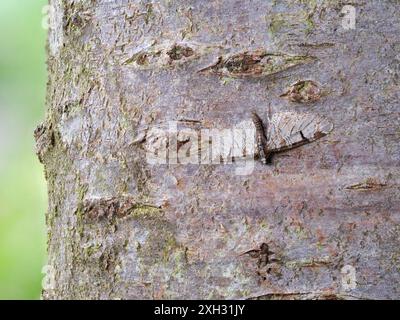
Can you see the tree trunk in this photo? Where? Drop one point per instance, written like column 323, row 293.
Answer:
column 122, row 226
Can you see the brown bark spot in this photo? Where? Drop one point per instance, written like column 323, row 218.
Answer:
column 177, row 52
column 318, row 135
column 262, row 255
column 248, row 63
column 141, row 59
column 303, row 91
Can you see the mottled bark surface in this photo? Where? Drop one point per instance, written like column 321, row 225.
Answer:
column 120, row 228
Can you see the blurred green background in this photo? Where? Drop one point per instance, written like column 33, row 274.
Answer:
column 22, row 185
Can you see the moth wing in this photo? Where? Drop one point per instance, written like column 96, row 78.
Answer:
column 288, row 130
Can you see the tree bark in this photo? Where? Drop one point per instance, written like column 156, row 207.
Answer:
column 120, row 227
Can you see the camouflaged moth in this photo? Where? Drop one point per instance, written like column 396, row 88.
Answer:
column 287, row 130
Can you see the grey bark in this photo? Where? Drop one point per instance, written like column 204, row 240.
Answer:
column 121, row 228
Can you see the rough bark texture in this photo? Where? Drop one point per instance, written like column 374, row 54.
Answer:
column 120, row 228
